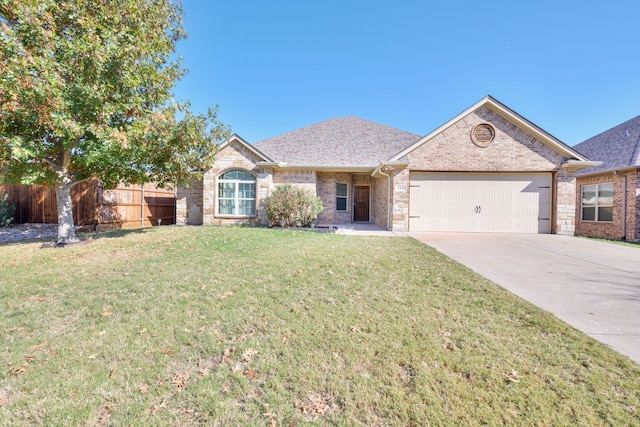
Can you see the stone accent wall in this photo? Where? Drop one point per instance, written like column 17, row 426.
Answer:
column 564, row 182
column 235, row 155
column 379, row 200
column 400, row 205
column 189, row 204
column 512, row 150
column 614, row 229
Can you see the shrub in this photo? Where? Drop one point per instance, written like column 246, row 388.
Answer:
column 7, row 209
column 289, row 206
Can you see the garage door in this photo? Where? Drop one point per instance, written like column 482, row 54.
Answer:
column 478, row 202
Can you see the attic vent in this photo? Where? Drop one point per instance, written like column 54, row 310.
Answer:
column 482, row 135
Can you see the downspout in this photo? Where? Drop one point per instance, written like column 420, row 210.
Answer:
column 624, row 207
column 388, row 197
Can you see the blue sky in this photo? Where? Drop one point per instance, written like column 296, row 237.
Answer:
column 571, row 67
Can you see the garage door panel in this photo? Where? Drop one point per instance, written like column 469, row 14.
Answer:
column 515, row 203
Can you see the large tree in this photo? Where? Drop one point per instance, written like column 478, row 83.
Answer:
column 86, row 92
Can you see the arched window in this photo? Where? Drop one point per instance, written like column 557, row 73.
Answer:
column 237, row 193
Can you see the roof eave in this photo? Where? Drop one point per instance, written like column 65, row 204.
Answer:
column 389, row 166
column 608, row 171
column 573, row 164
column 317, row 168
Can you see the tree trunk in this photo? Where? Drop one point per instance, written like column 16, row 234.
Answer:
column 66, row 227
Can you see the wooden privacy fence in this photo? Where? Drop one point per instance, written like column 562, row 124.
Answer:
column 126, row 206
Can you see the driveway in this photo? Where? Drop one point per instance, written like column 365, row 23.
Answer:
column 593, row 286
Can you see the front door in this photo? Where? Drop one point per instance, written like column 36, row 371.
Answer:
column 361, row 203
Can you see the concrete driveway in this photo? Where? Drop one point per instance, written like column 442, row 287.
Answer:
column 593, row 286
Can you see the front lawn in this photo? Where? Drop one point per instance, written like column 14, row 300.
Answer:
column 244, row 326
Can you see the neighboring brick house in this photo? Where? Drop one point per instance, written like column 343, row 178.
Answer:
column 487, row 169
column 608, row 196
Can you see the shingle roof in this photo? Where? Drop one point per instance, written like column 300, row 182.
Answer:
column 346, row 141
column 618, row 147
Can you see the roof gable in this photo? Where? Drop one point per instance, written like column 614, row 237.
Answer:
column 346, row 141
column 617, row 148
column 236, row 139
column 507, row 114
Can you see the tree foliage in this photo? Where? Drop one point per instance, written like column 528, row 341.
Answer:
column 86, row 91
column 7, row 210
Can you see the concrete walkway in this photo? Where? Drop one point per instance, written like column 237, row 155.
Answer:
column 593, row 286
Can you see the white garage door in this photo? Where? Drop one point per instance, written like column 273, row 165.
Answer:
column 478, row 202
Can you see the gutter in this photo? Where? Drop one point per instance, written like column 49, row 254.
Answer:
column 574, row 164
column 323, row 168
column 615, row 170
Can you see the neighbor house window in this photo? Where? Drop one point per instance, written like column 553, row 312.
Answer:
column 597, row 202
column 237, row 193
column 341, row 196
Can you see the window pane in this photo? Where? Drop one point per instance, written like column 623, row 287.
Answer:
column 605, row 213
column 237, row 175
column 605, row 195
column 341, row 190
column 246, row 191
column 226, row 207
column 237, row 193
column 588, row 213
column 246, row 207
column 341, row 203
column 589, row 195
column 226, row 190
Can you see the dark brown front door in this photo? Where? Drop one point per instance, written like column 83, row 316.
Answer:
column 361, row 203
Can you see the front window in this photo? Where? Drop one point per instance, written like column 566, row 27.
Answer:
column 597, row 202
column 341, row 197
column 237, row 193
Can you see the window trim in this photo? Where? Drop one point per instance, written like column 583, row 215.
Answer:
column 236, row 193
column 597, row 202
column 345, row 197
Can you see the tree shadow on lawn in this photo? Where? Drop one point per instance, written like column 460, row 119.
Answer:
column 85, row 237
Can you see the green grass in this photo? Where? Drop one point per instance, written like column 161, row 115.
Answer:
column 617, row 242
column 243, row 326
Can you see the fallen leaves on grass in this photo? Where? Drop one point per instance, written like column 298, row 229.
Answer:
column 19, row 370
column 316, row 405
column 180, row 380
column 225, row 295
column 249, row 354
column 105, row 415
column 251, row 373
column 513, row 377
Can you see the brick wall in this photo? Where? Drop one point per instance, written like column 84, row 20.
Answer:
column 189, row 204
column 326, row 190
column 614, row 229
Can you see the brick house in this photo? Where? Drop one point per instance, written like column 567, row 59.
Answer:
column 608, row 196
column 487, row 170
